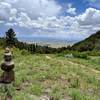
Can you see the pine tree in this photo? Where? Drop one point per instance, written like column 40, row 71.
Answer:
column 10, row 38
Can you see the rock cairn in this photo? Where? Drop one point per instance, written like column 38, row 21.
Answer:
column 7, row 66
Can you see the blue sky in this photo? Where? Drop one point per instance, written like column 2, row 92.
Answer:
column 79, row 4
column 72, row 20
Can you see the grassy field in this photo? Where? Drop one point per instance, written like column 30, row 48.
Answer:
column 55, row 77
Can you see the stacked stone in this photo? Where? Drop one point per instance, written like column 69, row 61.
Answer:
column 7, row 66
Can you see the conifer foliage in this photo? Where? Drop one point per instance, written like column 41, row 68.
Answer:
column 10, row 38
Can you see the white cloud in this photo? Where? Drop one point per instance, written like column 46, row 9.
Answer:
column 6, row 11
column 71, row 10
column 9, row 1
column 35, row 8
column 11, row 24
column 90, row 17
column 94, row 3
column 41, row 17
column 71, row 28
column 23, row 20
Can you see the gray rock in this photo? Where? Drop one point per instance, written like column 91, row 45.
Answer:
column 69, row 56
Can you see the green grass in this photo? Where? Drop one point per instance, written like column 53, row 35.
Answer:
column 59, row 78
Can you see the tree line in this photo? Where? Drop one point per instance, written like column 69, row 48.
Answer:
column 11, row 41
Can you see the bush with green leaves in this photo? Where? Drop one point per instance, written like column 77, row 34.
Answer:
column 24, row 52
column 80, row 55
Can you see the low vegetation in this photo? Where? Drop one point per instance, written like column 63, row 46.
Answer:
column 54, row 76
column 71, row 73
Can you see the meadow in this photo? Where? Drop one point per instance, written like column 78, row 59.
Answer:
column 55, row 77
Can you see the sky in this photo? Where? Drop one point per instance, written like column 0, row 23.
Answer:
column 73, row 20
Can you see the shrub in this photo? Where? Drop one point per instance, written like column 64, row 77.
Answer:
column 74, row 81
column 80, row 55
column 94, row 53
column 24, row 52
column 77, row 95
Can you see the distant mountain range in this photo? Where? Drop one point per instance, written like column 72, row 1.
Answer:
column 90, row 43
column 50, row 41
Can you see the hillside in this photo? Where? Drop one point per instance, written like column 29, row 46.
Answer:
column 90, row 43
column 51, row 76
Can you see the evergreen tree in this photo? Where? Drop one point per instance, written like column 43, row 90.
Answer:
column 10, row 38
